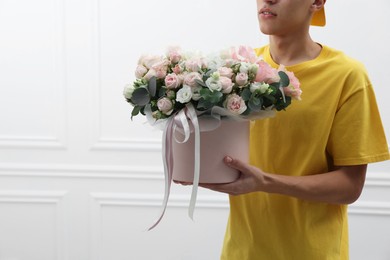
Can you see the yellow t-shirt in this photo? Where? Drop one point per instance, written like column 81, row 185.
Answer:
column 336, row 123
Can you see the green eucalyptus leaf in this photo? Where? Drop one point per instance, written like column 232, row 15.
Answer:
column 205, row 93
column 162, row 92
column 152, row 86
column 135, row 111
column 272, row 99
column 204, row 104
column 215, row 97
column 284, row 80
column 255, row 104
column 200, row 82
column 140, row 97
column 246, row 94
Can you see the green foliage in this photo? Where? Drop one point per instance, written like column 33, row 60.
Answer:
column 140, row 96
column 152, row 86
column 208, row 98
column 284, row 80
column 246, row 94
column 255, row 104
column 135, row 111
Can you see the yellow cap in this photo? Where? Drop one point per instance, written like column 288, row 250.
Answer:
column 318, row 18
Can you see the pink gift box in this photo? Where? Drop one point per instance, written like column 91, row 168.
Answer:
column 230, row 138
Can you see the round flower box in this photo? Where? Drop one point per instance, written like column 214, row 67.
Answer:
column 230, row 138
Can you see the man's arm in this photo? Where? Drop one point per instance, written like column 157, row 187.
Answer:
column 341, row 186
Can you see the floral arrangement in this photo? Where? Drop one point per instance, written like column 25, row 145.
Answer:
column 235, row 80
column 177, row 88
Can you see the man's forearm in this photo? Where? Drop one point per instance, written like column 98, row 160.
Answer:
column 342, row 186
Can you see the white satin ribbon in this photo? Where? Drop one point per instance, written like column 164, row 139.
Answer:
column 194, row 120
column 174, row 123
column 168, row 167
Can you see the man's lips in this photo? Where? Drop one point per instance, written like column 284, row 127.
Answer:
column 267, row 12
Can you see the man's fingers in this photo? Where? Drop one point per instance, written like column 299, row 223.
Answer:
column 237, row 164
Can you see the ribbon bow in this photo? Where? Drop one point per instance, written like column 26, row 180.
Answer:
column 180, row 120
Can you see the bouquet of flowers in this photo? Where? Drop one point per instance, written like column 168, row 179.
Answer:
column 236, row 81
column 178, row 87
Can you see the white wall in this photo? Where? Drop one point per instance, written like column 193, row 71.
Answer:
column 79, row 180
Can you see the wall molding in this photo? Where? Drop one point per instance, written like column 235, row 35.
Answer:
column 155, row 200
column 144, row 145
column 81, row 171
column 59, row 64
column 29, row 196
column 377, row 179
column 372, row 208
column 26, row 142
column 44, row 197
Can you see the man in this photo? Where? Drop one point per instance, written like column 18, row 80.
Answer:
column 308, row 162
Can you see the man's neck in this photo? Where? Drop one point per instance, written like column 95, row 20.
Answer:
column 293, row 50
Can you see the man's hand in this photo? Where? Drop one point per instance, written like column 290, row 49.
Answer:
column 251, row 179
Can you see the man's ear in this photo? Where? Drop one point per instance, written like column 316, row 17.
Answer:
column 318, row 4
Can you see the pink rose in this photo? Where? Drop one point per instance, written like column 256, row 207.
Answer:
column 161, row 68
column 293, row 90
column 193, row 65
column 235, row 104
column 161, row 73
column 172, row 81
column 174, row 54
column 227, row 84
column 266, row 73
column 241, row 78
column 244, row 54
column 190, row 79
column 165, row 105
column 225, row 72
column 140, row 71
column 177, row 69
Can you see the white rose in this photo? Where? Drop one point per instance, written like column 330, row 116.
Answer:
column 128, row 91
column 262, row 87
column 214, row 84
column 184, row 94
column 196, row 93
column 244, row 68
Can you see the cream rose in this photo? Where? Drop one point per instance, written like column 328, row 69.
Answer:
column 241, row 78
column 225, row 72
column 140, row 71
column 227, row 84
column 165, row 105
column 235, row 104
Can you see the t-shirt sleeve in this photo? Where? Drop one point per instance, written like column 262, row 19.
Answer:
column 357, row 135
